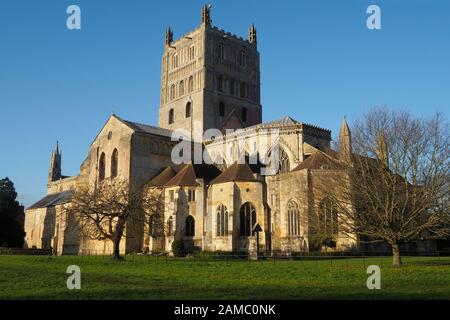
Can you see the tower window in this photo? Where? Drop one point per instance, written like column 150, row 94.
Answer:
column 175, row 61
column 191, row 53
column 220, row 83
column 191, row 84
column 181, row 88
column 242, row 58
column 221, row 52
column 188, row 109
column 221, row 109
column 170, row 116
column 244, row 114
column 242, row 90
column 232, row 86
column 172, row 92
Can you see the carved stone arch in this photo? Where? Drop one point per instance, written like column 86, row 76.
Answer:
column 293, row 157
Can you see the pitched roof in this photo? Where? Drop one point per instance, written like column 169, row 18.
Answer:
column 318, row 160
column 284, row 121
column 191, row 172
column 163, row 177
column 144, row 128
column 236, row 172
column 53, row 200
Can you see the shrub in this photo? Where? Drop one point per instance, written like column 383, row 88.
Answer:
column 178, row 248
column 320, row 240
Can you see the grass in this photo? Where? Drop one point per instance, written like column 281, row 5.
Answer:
column 44, row 277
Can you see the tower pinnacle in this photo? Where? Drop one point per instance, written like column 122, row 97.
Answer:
column 54, row 173
column 252, row 34
column 169, row 36
column 206, row 14
column 345, row 140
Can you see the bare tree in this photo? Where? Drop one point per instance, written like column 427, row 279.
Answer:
column 396, row 183
column 108, row 210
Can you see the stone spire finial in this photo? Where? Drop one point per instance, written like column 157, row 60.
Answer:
column 252, row 34
column 206, row 14
column 54, row 173
column 382, row 148
column 345, row 140
column 169, row 36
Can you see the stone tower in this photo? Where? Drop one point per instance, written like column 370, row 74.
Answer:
column 345, row 141
column 54, row 173
column 210, row 79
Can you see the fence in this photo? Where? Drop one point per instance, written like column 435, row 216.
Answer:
column 24, row 251
column 225, row 256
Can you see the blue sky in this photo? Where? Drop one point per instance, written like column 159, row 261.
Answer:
column 318, row 62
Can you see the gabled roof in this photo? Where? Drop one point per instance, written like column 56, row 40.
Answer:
column 236, row 172
column 164, row 176
column 318, row 160
column 191, row 172
column 53, row 200
column 137, row 127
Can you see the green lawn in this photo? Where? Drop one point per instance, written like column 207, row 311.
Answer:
column 42, row 277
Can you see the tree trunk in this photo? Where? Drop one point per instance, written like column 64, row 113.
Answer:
column 396, row 258
column 116, row 249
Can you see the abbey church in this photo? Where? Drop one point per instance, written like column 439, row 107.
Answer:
column 210, row 82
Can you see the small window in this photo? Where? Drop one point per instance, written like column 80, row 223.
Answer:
column 242, row 58
column 191, row 195
column 110, row 135
column 221, row 109
column 244, row 114
column 188, row 109
column 222, row 221
column 221, row 52
column 114, row 163
column 171, row 195
column 191, row 53
column 181, row 88
column 191, row 84
column 242, row 90
column 219, row 83
column 190, row 227
column 170, row 227
column 172, row 92
column 175, row 61
column 232, row 87
column 101, row 168
column 171, row 116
